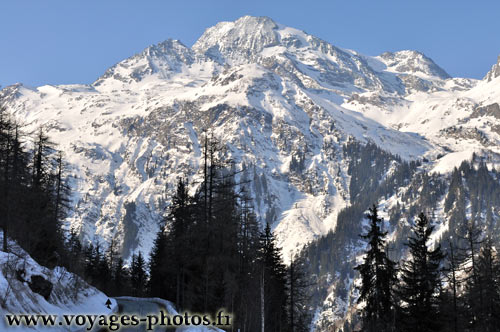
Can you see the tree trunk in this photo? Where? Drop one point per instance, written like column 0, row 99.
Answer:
column 262, row 303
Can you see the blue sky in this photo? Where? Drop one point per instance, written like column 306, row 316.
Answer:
column 74, row 41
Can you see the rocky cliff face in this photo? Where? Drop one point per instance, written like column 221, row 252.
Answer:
column 494, row 72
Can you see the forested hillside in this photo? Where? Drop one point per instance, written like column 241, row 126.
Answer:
column 455, row 203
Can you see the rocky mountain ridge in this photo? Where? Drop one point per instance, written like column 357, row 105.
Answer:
column 273, row 92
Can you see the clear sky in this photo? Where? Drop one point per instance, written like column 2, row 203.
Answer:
column 75, row 41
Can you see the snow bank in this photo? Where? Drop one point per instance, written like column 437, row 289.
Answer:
column 69, row 295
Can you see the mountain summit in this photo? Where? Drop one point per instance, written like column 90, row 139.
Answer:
column 246, row 36
column 163, row 59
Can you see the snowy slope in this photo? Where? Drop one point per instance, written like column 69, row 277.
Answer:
column 65, row 298
column 459, row 119
column 283, row 101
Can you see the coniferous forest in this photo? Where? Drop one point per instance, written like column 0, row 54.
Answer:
column 212, row 252
column 34, row 192
column 430, row 289
column 414, row 279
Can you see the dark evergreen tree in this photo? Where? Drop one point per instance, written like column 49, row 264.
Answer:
column 485, row 291
column 474, row 296
column 229, row 242
column 182, row 245
column 89, row 263
column 420, row 281
column 74, row 257
column 120, row 278
column 247, row 298
column 273, row 286
column 103, row 274
column 298, row 286
column 13, row 171
column 161, row 268
column 30, row 194
column 61, row 190
column 138, row 275
column 378, row 276
column 451, row 306
column 45, row 239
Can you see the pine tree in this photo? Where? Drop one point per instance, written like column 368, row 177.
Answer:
column 225, row 244
column 74, row 253
column 180, row 224
column 14, row 181
column 212, row 166
column 161, row 279
column 7, row 145
column 89, row 263
column 474, row 294
column 247, row 301
column 298, row 296
column 184, row 250
column 378, row 276
column 138, row 276
column 420, row 281
column 61, row 190
column 46, row 238
column 104, row 274
column 451, row 307
column 112, row 254
column 272, row 284
column 488, row 284
column 120, row 278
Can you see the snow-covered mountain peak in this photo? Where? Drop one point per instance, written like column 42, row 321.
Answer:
column 164, row 59
column 494, row 72
column 251, row 35
column 246, row 36
column 169, row 48
column 412, row 62
column 315, row 63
